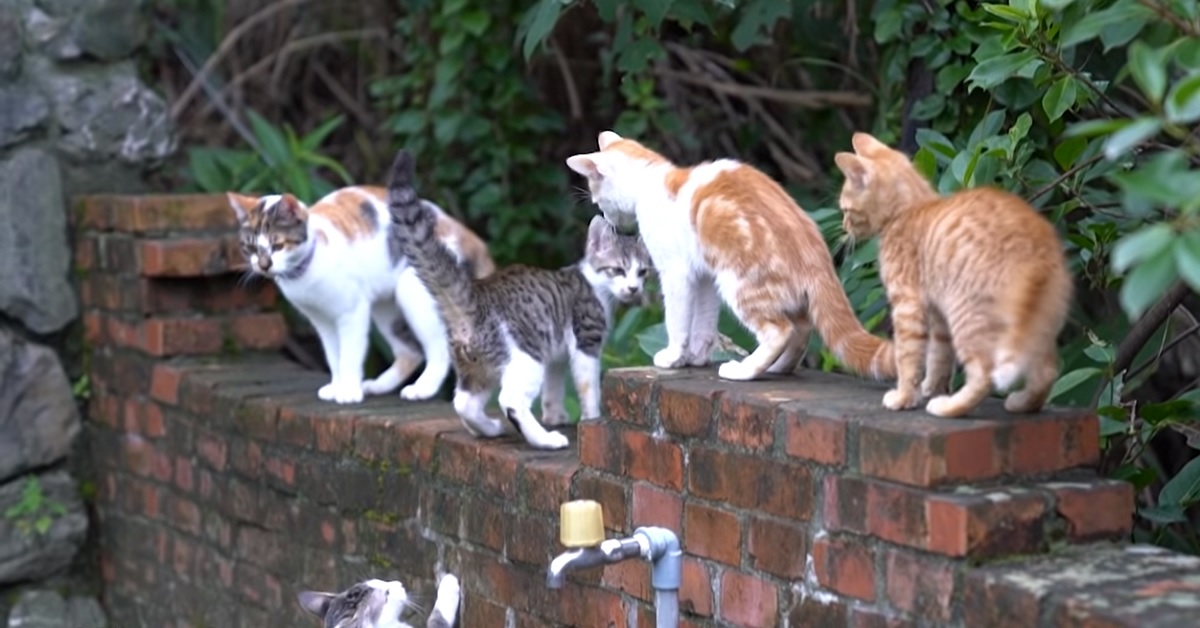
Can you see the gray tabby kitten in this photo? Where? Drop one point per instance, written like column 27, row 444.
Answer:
column 378, row 604
column 520, row 326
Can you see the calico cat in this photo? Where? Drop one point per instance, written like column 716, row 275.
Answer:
column 519, row 326
column 979, row 273
column 379, row 604
column 339, row 262
column 722, row 230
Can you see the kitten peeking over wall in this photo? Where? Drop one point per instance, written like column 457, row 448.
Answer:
column 519, row 327
column 341, row 264
column 379, row 604
column 979, row 273
column 724, row 230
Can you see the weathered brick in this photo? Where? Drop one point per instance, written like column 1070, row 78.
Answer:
column 281, row 470
column 748, row 600
column 184, row 474
column 818, row 611
column 1061, row 439
column 712, row 533
column 845, row 565
column 479, row 611
column 747, row 420
column 654, row 506
column 687, row 407
column 777, row 547
column 500, row 478
column 183, row 558
column 650, row 458
column 814, row 438
column 1099, row 509
column 164, row 383
column 184, row 257
column 180, row 336
column 750, row 482
column 261, row 331
column 212, row 450
column 695, row 590
column 871, row 618
column 156, row 213
column 333, row 435
column 593, row 445
column 484, row 522
column 627, row 395
column 612, row 496
column 117, row 253
column 920, row 585
column 186, row 516
column 546, row 481
column 631, row 577
column 995, row 523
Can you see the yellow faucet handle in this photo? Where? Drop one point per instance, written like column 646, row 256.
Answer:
column 580, row 523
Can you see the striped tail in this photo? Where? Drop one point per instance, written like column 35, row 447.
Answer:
column 842, row 332
column 413, row 222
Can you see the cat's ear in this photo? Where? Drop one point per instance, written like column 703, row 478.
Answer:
column 242, row 205
column 290, row 205
column 600, row 234
column 865, row 143
column 591, row 165
column 854, row 167
column 607, row 138
column 315, row 602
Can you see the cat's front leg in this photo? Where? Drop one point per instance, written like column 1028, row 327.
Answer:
column 677, row 312
column 706, row 309
column 353, row 332
column 911, row 335
column 445, row 607
column 327, row 333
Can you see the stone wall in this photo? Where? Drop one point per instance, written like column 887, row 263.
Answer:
column 226, row 487
column 73, row 118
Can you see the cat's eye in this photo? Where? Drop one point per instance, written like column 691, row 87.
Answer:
column 642, row 272
column 277, row 245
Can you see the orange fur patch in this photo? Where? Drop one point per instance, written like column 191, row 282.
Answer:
column 343, row 210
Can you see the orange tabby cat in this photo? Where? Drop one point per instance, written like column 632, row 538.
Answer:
column 723, row 230
column 978, row 273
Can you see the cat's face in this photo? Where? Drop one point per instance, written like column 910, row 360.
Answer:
column 617, row 159
column 368, row 604
column 620, row 261
column 273, row 230
column 879, row 182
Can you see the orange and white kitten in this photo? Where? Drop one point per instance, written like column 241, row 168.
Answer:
column 724, row 230
column 978, row 274
column 342, row 263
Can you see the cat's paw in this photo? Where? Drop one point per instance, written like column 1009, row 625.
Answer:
column 945, row 406
column 419, row 390
column 896, row 399
column 449, row 593
column 932, row 388
column 375, row 387
column 326, row 392
column 550, row 440
column 699, row 352
column 347, row 393
column 736, row 370
column 555, row 418
column 1022, row 402
column 669, row 358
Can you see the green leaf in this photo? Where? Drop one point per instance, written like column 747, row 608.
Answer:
column 1164, row 515
column 638, row 55
column 996, row 70
column 607, row 9
column 1141, row 244
column 270, row 139
column 1090, row 25
column 939, row 144
column 316, row 137
column 1149, row 69
column 1093, row 128
column 476, row 21
column 1011, row 14
column 1072, row 380
column 655, row 10
column 450, row 7
column 925, row 162
column 653, row 339
column 887, row 26
column 1059, row 98
column 1187, row 258
column 1148, row 281
column 757, row 19
column 1183, row 103
column 43, row 524
column 544, row 15
column 1164, row 179
column 1068, row 152
column 1132, row 134
column 1183, row 489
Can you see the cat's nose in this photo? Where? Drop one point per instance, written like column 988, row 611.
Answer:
column 264, row 262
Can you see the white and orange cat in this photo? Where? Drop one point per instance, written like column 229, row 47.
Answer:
column 978, row 274
column 724, row 230
column 342, row 264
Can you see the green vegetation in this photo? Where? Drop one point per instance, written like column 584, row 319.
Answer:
column 35, row 512
column 1087, row 108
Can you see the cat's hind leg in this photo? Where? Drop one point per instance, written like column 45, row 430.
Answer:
column 427, row 325
column 1039, row 379
column 773, row 337
column 586, row 370
column 554, row 392
column 519, row 386
column 389, row 319
column 973, row 336
column 471, row 409
column 702, row 333
column 796, row 348
column 939, row 357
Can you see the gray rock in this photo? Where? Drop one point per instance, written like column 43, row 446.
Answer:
column 48, row 609
column 12, row 35
column 61, row 8
column 24, row 110
column 34, row 257
column 52, row 36
column 111, row 29
column 105, row 112
column 25, row 552
column 38, row 416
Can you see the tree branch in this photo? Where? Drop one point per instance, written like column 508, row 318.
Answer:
column 1143, row 329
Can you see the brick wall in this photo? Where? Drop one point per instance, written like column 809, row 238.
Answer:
column 225, row 486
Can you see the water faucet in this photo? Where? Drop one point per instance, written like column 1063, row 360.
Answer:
column 581, row 530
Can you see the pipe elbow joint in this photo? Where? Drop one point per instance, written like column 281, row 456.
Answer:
column 663, row 550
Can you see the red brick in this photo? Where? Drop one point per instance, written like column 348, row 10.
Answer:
column 631, row 577
column 627, row 393
column 180, row 336
column 747, row 481
column 695, row 591
column 478, row 611
column 712, row 533
column 92, row 212
column 212, row 450
column 547, row 483
column 294, row 429
column 612, row 496
column 184, row 257
column 282, row 469
column 845, row 503
column 85, row 252
column 656, row 507
column 870, row 618
column 457, row 458
column 162, row 468
column 845, row 565
column 919, row 585
column 814, row 438
column 777, row 548
column 747, row 421
column 414, row 440
column 152, row 420
column 246, row 457
column 527, row 536
column 184, row 474
column 137, row 455
column 687, row 407
column 183, row 558
column 748, row 600
column 1099, row 509
column 186, row 515
column 261, row 332
column 93, row 329
column 593, row 444
column 997, row 523
column 333, row 435
column 164, row 383
column 499, row 472
column 818, row 611
column 925, row 451
column 655, row 460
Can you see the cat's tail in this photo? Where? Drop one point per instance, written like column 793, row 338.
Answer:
column 413, row 225
column 844, row 335
column 1033, row 308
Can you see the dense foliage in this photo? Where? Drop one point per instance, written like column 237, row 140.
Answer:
column 1087, row 108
